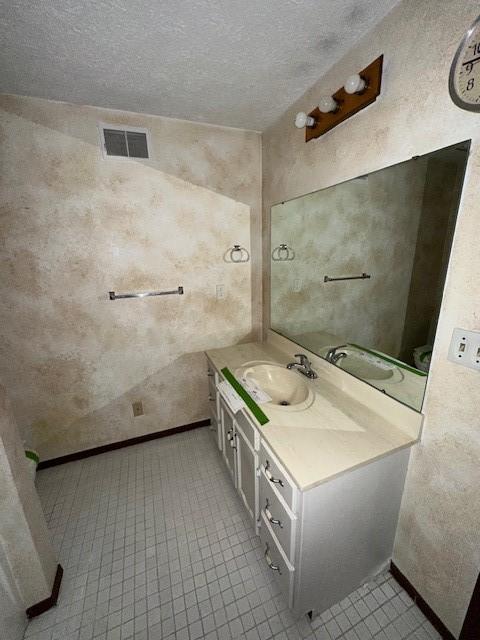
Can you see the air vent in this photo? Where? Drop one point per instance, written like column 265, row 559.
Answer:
column 124, row 144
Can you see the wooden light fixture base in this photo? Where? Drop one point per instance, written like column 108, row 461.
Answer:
column 348, row 103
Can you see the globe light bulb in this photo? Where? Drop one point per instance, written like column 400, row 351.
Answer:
column 354, row 84
column 327, row 104
column 303, row 120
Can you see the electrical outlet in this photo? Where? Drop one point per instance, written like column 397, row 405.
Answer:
column 297, row 285
column 137, row 408
column 465, row 348
column 220, row 291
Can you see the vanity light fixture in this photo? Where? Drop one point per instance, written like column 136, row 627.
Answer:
column 327, row 104
column 359, row 90
column 302, row 120
column 354, row 84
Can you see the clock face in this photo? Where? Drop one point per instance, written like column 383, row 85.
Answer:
column 464, row 82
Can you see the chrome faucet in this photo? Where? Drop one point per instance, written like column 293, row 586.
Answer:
column 304, row 366
column 332, row 355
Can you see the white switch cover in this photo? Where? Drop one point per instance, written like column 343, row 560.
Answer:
column 465, row 348
column 297, row 285
column 220, row 291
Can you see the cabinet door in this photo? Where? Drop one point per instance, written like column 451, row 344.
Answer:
column 228, row 434
column 247, row 482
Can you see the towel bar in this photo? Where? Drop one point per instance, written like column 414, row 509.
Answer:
column 116, row 296
column 364, row 276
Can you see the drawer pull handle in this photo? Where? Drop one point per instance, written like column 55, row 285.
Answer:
column 273, row 567
column 270, row 518
column 231, row 437
column 269, row 474
column 211, row 399
column 210, row 375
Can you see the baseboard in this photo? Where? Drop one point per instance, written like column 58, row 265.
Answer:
column 51, row 601
column 425, row 608
column 471, row 624
column 87, row 453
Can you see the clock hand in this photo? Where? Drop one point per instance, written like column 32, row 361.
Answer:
column 472, row 61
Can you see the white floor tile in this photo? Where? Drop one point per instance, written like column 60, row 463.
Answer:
column 155, row 544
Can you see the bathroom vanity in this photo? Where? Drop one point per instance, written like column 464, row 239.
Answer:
column 322, row 480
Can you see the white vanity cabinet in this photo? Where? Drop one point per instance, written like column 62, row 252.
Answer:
column 323, row 542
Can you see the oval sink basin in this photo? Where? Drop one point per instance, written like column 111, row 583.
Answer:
column 363, row 369
column 285, row 387
column 367, row 366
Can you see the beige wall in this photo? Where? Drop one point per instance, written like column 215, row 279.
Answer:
column 437, row 539
column 27, row 559
column 75, row 225
column 13, row 620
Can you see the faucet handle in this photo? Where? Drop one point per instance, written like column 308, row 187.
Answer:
column 303, row 358
column 332, row 352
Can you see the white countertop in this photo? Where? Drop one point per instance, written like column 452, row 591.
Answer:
column 335, row 434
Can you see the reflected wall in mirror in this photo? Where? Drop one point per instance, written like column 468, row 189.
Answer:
column 387, row 237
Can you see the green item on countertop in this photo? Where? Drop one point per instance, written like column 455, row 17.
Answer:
column 249, row 401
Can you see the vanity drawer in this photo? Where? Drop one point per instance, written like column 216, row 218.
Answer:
column 277, row 476
column 281, row 520
column 275, row 559
column 249, row 431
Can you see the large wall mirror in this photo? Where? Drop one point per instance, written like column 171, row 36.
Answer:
column 358, row 269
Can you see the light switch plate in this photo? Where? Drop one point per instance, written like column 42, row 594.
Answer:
column 465, row 348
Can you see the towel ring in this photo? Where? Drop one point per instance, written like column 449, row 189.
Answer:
column 237, row 254
column 283, row 253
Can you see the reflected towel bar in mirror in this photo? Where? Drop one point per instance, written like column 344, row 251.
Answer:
column 364, row 276
column 116, row 296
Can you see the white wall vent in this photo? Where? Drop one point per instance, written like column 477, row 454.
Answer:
column 124, row 143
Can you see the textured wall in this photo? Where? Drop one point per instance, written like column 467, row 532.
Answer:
column 13, row 620
column 26, row 552
column 437, row 538
column 368, row 225
column 75, row 226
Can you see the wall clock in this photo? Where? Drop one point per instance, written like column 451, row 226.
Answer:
column 464, row 80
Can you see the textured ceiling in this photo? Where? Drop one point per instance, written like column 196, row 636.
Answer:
column 239, row 63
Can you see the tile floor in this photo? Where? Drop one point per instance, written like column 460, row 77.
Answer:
column 156, row 544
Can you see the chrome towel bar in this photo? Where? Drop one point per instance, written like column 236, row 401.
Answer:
column 364, row 276
column 116, row 296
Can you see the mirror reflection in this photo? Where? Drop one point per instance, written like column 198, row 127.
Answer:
column 358, row 269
